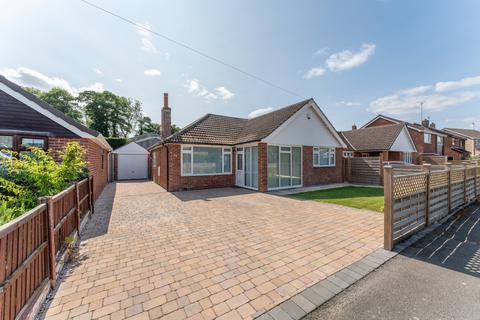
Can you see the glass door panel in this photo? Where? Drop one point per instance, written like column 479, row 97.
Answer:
column 285, row 169
column 272, row 167
column 296, row 166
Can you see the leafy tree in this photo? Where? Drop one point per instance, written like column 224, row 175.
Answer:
column 175, row 128
column 60, row 99
column 110, row 114
column 146, row 125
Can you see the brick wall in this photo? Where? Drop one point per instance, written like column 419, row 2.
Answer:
column 380, row 122
column 159, row 167
column 96, row 157
column 321, row 175
column 174, row 181
column 262, row 167
column 452, row 155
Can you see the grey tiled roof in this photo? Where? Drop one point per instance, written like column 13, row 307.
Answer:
column 223, row 130
column 466, row 132
column 372, row 138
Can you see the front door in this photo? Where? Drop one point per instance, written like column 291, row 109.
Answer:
column 240, row 176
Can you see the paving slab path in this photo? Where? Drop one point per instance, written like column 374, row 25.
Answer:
column 210, row 254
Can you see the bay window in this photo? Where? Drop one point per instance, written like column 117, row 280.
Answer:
column 199, row 160
column 323, row 157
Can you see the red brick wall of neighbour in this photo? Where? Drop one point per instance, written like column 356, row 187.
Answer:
column 177, row 182
column 321, row 175
column 380, row 122
column 448, row 150
column 96, row 157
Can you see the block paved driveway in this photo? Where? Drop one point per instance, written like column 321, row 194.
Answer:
column 218, row 253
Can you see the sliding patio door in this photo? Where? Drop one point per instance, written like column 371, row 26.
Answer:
column 284, row 167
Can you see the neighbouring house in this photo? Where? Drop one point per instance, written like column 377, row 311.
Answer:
column 27, row 121
column 290, row 147
column 132, row 161
column 390, row 142
column 430, row 142
column 470, row 137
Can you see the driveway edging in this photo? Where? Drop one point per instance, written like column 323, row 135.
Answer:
column 316, row 295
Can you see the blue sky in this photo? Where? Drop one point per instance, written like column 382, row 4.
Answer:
column 356, row 58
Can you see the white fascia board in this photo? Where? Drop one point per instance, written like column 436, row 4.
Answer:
column 44, row 112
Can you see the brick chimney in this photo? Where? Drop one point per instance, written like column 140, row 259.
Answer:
column 354, row 127
column 166, row 118
column 432, row 125
column 425, row 123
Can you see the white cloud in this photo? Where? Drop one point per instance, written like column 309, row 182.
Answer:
column 398, row 104
column 347, row 59
column 415, row 90
column 167, row 56
column 259, row 112
column 118, row 80
column 152, row 72
column 348, row 103
column 31, row 78
column 97, row 71
column 146, row 38
column 224, row 93
column 192, row 86
column 97, row 87
column 314, row 72
column 434, row 98
column 322, row 51
column 452, row 85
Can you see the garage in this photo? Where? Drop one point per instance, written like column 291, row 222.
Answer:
column 131, row 162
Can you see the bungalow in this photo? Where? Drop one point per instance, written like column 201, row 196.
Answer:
column 27, row 121
column 291, row 147
column 428, row 140
column 471, row 139
column 389, row 142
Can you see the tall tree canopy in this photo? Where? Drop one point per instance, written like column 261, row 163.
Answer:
column 110, row 114
column 62, row 100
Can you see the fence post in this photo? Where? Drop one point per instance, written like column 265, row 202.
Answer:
column 449, row 178
column 77, row 204
column 426, row 167
column 51, row 241
column 388, row 207
column 91, row 194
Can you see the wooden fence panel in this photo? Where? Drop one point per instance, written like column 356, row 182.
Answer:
column 28, row 246
column 365, row 170
column 416, row 199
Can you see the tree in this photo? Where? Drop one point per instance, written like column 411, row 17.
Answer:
column 146, row 125
column 110, row 114
column 60, row 99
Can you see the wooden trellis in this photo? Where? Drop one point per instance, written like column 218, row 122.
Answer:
column 415, row 200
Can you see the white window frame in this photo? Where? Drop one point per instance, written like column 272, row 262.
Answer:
column 331, row 150
column 348, row 154
column 408, row 157
column 291, row 165
column 191, row 174
column 427, row 137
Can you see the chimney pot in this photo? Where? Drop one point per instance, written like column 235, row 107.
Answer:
column 354, row 127
column 432, row 125
column 425, row 123
column 166, row 125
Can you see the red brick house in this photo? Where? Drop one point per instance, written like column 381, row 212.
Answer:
column 291, row 147
column 470, row 139
column 26, row 121
column 429, row 141
column 390, row 142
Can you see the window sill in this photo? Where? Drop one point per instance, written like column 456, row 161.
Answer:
column 206, row 174
column 325, row 166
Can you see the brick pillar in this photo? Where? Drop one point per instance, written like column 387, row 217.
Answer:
column 262, row 167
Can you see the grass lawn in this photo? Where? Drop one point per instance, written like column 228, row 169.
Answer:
column 356, row 197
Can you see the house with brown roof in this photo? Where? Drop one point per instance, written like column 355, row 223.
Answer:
column 290, row 147
column 391, row 142
column 26, row 121
column 429, row 141
column 471, row 138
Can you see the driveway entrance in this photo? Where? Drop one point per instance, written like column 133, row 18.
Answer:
column 217, row 253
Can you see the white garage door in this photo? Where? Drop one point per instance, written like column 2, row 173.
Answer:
column 132, row 166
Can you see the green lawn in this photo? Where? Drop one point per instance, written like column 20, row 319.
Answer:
column 356, row 197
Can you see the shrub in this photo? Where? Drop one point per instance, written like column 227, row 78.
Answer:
column 116, row 142
column 28, row 176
